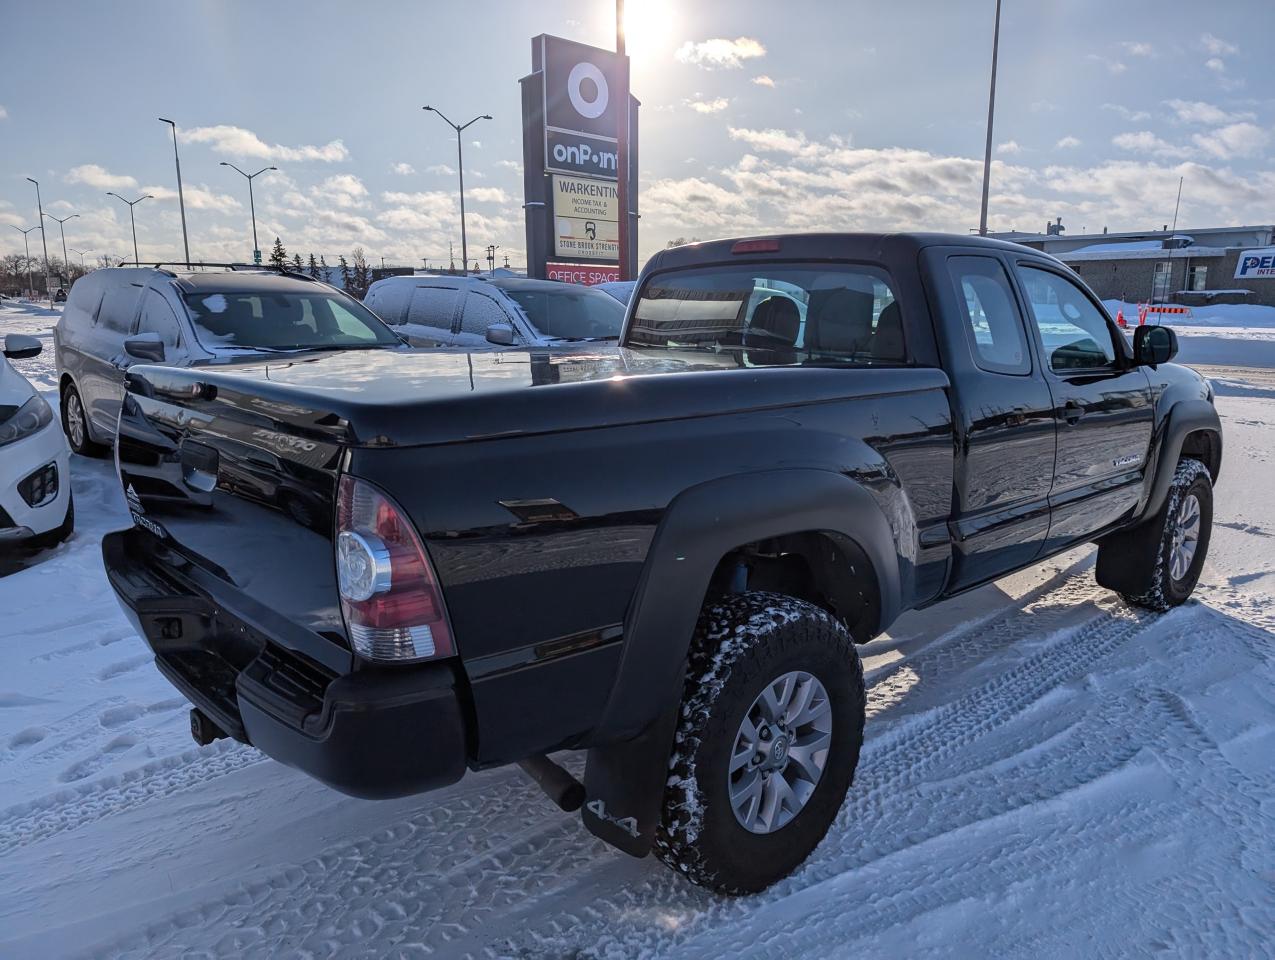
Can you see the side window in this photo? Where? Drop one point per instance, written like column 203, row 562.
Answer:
column 432, row 307
column 118, row 307
column 1074, row 333
column 350, row 325
column 993, row 327
column 481, row 311
column 158, row 317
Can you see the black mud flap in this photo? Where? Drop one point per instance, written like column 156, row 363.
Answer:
column 624, row 786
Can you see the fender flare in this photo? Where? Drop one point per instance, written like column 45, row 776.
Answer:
column 628, row 765
column 1184, row 417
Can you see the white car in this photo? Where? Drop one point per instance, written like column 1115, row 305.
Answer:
column 35, row 462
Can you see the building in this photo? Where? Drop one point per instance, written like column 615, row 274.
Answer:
column 1189, row 267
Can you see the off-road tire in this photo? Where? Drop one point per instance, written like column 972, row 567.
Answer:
column 742, row 643
column 85, row 446
column 1139, row 564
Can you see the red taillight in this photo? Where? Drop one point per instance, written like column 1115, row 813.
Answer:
column 390, row 596
column 755, row 246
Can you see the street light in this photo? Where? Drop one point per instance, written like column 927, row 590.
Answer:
column 30, row 278
column 256, row 251
column 60, row 221
column 43, row 241
column 83, row 268
column 991, row 109
column 460, row 170
column 181, row 199
column 132, row 222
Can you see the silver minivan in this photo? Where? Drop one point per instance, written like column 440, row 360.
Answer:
column 116, row 317
column 477, row 312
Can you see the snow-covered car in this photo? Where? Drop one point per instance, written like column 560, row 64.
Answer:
column 622, row 290
column 479, row 313
column 183, row 318
column 35, row 465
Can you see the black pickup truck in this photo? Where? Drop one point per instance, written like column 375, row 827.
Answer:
column 388, row 568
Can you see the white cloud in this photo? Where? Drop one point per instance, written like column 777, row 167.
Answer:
column 773, row 141
column 719, row 53
column 4, row 114
column 515, row 165
column 1043, row 106
column 1197, row 111
column 1216, row 64
column 1147, row 143
column 197, row 197
column 1234, row 140
column 716, row 105
column 92, row 175
column 402, row 169
column 1137, row 48
column 478, row 144
column 442, row 170
column 488, row 194
column 762, row 80
column 1113, row 66
column 238, row 142
column 1068, row 143
column 341, row 190
column 1133, row 116
column 1217, row 46
column 1009, row 147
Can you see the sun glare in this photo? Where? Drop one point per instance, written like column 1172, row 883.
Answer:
column 646, row 24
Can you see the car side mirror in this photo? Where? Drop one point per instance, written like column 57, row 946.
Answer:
column 501, row 334
column 145, row 346
column 18, row 346
column 1153, row 345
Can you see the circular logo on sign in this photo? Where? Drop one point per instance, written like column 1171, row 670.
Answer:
column 590, row 101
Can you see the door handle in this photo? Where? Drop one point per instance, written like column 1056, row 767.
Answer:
column 1072, row 412
column 1016, row 417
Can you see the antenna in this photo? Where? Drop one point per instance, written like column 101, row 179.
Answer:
column 1169, row 260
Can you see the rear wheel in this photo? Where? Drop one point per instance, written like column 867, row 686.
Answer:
column 767, row 744
column 75, row 424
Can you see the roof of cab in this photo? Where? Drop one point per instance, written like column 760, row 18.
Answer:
column 827, row 246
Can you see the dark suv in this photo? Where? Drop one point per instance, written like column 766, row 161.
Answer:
column 182, row 318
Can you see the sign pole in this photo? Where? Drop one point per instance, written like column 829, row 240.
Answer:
column 622, row 144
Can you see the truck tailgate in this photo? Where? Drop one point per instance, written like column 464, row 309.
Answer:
column 242, row 489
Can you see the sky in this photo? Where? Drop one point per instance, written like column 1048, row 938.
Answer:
column 756, row 117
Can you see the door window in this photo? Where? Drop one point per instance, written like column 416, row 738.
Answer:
column 118, row 307
column 1073, row 331
column 158, row 317
column 481, row 311
column 992, row 324
column 433, row 307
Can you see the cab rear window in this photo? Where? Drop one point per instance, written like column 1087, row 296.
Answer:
column 776, row 312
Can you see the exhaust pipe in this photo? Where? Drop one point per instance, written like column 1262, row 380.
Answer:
column 560, row 786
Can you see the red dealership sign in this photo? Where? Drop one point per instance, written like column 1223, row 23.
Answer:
column 586, row 273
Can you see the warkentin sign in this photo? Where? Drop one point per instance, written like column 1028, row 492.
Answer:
column 1253, row 264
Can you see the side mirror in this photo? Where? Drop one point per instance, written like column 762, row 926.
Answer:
column 145, row 346
column 1153, row 345
column 18, row 346
column 501, row 334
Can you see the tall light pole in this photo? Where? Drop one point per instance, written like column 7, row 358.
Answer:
column 60, row 221
column 991, row 110
column 27, row 245
column 252, row 206
column 622, row 147
column 131, row 205
column 83, row 268
column 39, row 206
column 181, row 199
column 460, row 170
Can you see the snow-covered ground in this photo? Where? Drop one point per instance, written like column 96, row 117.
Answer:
column 1047, row 773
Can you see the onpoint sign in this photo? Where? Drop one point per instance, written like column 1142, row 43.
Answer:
column 582, row 98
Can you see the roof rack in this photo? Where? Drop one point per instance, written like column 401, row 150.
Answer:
column 162, row 264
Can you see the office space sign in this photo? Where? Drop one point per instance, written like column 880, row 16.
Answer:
column 1256, row 264
column 582, row 104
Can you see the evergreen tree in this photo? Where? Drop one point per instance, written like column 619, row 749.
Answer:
column 296, row 263
column 345, row 273
column 278, row 255
column 313, row 269
column 360, row 273
column 323, row 269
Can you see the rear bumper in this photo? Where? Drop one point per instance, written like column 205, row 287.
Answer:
column 371, row 733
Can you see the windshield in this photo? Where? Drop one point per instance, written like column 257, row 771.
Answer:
column 292, row 320
column 570, row 312
column 780, row 312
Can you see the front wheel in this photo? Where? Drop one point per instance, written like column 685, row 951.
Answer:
column 767, row 743
column 75, row 424
column 1157, row 565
